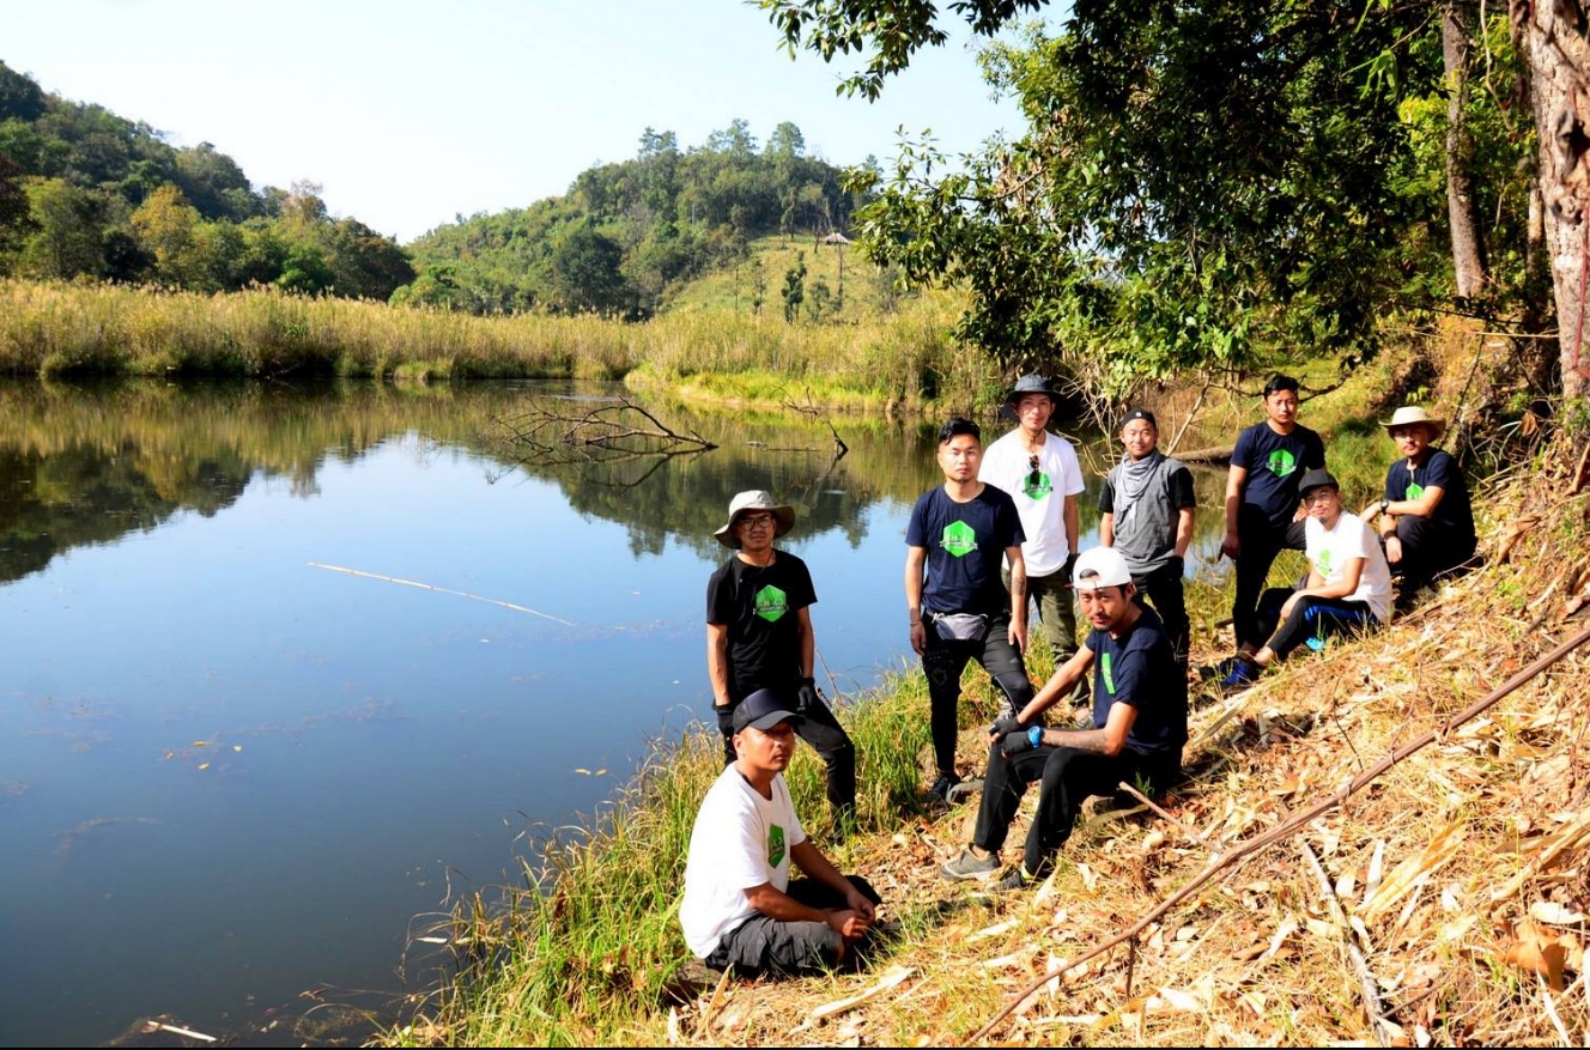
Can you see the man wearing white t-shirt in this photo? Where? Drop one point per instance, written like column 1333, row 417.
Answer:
column 1348, row 588
column 1041, row 473
column 740, row 908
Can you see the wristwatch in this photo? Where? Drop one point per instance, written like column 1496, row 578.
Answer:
column 1035, row 734
column 1384, row 504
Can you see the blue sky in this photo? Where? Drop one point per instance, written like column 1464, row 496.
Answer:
column 409, row 113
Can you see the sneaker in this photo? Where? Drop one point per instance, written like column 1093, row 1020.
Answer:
column 1243, row 673
column 1315, row 643
column 940, row 791
column 970, row 866
column 1215, row 672
column 963, row 790
column 1020, row 879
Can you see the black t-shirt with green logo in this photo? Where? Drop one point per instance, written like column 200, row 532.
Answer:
column 759, row 606
column 1439, row 470
column 966, row 545
column 1276, row 464
column 1140, row 669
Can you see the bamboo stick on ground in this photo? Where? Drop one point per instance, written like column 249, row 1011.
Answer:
column 1366, row 979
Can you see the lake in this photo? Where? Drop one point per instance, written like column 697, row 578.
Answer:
column 232, row 773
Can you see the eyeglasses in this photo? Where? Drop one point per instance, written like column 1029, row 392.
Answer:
column 1035, row 478
column 756, row 521
column 1320, row 495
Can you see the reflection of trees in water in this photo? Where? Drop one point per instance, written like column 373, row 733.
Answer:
column 88, row 465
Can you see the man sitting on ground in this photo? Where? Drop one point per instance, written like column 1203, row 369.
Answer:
column 1427, row 522
column 740, row 908
column 1348, row 587
column 1139, row 728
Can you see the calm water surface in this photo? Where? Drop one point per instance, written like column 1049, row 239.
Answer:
column 228, row 776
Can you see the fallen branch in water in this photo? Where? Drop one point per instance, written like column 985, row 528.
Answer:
column 611, row 426
column 1225, row 863
column 442, row 590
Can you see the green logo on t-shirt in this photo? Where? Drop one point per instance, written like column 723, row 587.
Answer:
column 775, row 846
column 959, row 539
column 1108, row 666
column 1323, row 562
column 1282, row 463
column 1036, row 489
column 1415, row 491
column 771, row 603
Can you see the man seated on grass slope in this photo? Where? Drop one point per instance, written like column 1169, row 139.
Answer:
column 1139, row 728
column 1348, row 587
column 740, row 908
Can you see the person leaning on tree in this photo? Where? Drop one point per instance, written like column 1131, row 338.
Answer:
column 1039, row 470
column 1263, row 515
column 1139, row 729
column 1146, row 512
column 759, row 636
column 740, row 908
column 957, row 533
column 1426, row 519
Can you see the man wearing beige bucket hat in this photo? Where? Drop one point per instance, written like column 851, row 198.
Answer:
column 759, row 636
column 1425, row 518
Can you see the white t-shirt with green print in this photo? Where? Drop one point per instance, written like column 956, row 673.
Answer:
column 1040, row 502
column 741, row 840
column 1329, row 550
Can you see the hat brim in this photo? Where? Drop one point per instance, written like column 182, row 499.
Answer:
column 773, row 718
column 783, row 516
column 1436, row 424
column 1097, row 584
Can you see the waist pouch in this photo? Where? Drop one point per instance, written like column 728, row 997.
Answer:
column 961, row 627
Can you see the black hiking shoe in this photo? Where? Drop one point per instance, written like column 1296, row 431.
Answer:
column 940, row 791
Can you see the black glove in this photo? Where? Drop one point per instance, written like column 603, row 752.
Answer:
column 807, row 696
column 1006, row 725
column 725, row 720
column 1015, row 743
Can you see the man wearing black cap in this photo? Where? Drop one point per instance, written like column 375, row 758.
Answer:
column 1148, row 505
column 1039, row 470
column 1262, row 513
column 740, row 908
column 759, row 636
column 1348, row 587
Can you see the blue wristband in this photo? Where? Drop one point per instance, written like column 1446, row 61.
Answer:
column 1035, row 734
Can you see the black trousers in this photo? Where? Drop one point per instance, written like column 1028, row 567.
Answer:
column 1163, row 587
column 1260, row 542
column 1429, row 549
column 828, row 738
column 765, row 945
column 1311, row 618
column 1069, row 777
column 943, row 661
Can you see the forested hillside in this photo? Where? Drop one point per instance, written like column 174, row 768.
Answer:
column 630, row 233
column 87, row 193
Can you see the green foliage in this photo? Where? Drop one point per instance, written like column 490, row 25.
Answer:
column 674, row 214
column 86, row 193
column 794, row 291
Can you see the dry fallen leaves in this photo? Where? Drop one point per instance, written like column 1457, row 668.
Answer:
column 1541, row 951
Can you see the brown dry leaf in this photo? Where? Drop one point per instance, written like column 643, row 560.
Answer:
column 1412, row 872
column 893, row 979
column 1153, row 840
column 1090, row 878
column 1537, row 951
column 1288, row 786
column 1554, row 914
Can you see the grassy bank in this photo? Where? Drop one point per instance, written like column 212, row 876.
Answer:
column 904, row 359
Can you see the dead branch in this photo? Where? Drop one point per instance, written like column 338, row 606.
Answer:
column 1222, row 864
column 1219, row 454
column 1366, row 979
column 1191, row 415
column 809, row 409
column 610, row 433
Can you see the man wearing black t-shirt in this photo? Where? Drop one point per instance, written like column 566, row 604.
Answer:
column 958, row 533
column 1262, row 511
column 759, row 636
column 1139, row 728
column 1426, row 519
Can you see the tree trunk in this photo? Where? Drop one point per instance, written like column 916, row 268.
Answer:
column 1468, row 251
column 1547, row 33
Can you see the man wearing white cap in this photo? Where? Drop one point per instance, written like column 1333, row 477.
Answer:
column 1426, row 519
column 759, row 636
column 1139, row 728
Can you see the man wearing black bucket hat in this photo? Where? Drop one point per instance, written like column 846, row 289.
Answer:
column 1039, row 470
column 759, row 636
column 1348, row 587
column 740, row 908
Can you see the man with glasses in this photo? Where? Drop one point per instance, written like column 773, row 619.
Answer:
column 1039, row 470
column 1262, row 513
column 759, row 636
column 957, row 533
column 1348, row 587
